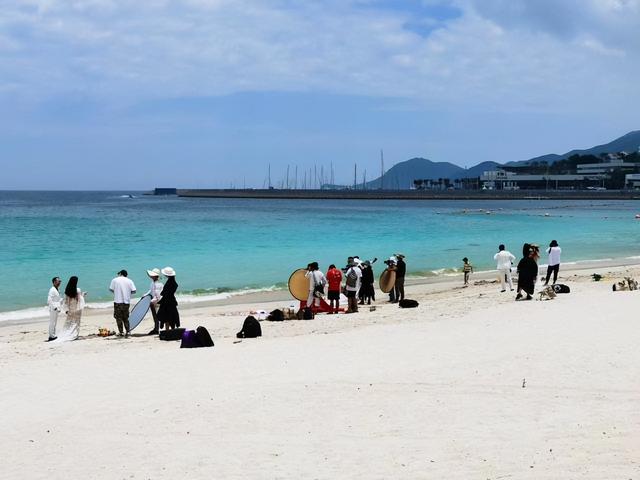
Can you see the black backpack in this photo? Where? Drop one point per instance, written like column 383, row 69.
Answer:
column 307, row 313
column 203, row 337
column 250, row 328
column 276, row 316
column 560, row 288
column 406, row 303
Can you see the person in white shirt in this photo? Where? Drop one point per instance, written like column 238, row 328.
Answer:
column 122, row 288
column 554, row 252
column 154, row 291
column 504, row 259
column 54, row 300
column 317, row 281
column 353, row 277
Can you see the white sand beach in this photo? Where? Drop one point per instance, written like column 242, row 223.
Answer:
column 469, row 385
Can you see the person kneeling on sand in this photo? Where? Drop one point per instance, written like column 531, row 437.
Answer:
column 527, row 273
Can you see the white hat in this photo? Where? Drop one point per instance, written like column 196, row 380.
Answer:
column 393, row 259
column 168, row 272
column 154, row 273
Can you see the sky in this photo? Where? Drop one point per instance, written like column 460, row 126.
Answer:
column 128, row 94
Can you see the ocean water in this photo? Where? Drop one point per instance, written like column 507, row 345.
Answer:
column 220, row 246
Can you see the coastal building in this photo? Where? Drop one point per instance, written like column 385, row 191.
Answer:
column 505, row 180
column 632, row 180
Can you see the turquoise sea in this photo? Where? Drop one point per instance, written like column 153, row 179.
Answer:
column 219, row 246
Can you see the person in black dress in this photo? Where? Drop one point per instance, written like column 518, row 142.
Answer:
column 527, row 272
column 367, row 290
column 168, row 315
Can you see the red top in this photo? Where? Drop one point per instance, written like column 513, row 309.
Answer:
column 334, row 278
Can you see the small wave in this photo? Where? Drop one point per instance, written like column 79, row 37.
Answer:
column 190, row 297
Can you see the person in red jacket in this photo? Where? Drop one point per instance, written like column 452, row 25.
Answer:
column 334, row 279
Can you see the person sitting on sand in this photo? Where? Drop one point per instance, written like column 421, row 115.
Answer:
column 527, row 273
column 168, row 315
column 334, row 281
column 467, row 269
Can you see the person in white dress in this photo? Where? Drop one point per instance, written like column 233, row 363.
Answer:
column 72, row 305
column 317, row 281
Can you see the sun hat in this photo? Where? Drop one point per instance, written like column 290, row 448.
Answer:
column 154, row 273
column 399, row 255
column 168, row 272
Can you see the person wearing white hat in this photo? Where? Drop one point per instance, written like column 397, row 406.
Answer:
column 155, row 292
column 168, row 315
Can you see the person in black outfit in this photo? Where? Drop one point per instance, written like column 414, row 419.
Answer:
column 401, row 270
column 367, row 290
column 168, row 312
column 527, row 272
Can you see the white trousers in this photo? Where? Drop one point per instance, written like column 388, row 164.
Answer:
column 502, row 272
column 53, row 320
column 312, row 300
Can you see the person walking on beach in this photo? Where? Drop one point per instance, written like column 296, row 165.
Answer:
column 168, row 315
column 504, row 259
column 334, row 280
column 554, row 252
column 317, row 281
column 155, row 290
column 54, row 301
column 367, row 289
column 353, row 279
column 467, row 269
column 401, row 270
column 122, row 288
column 527, row 273
column 73, row 304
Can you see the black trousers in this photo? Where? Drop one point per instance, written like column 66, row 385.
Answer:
column 399, row 289
column 555, row 269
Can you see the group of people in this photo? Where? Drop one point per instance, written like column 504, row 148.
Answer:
column 164, row 306
column 527, row 268
column 358, row 286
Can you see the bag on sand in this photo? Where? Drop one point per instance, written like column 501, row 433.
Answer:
column 307, row 314
column 352, row 278
column 250, row 328
column 406, row 303
column 170, row 335
column 560, row 288
column 196, row 338
column 276, row 315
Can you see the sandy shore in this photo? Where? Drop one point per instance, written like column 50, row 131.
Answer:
column 469, row 385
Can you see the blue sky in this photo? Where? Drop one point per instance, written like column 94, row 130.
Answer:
column 115, row 94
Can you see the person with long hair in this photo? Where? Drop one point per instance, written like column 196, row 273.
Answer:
column 168, row 315
column 73, row 304
column 527, row 272
column 554, row 252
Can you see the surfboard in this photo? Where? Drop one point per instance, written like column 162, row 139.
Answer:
column 299, row 285
column 387, row 280
column 139, row 311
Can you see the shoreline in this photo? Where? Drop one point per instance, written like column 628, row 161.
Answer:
column 271, row 295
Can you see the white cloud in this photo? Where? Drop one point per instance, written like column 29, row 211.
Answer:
column 499, row 54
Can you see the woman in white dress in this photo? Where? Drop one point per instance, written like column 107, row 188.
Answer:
column 72, row 305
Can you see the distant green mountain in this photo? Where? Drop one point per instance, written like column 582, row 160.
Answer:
column 402, row 175
column 627, row 143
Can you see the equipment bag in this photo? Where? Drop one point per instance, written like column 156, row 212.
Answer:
column 406, row 303
column 352, row 278
column 250, row 328
column 203, row 337
column 276, row 315
column 170, row 335
column 307, row 313
column 560, row 288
